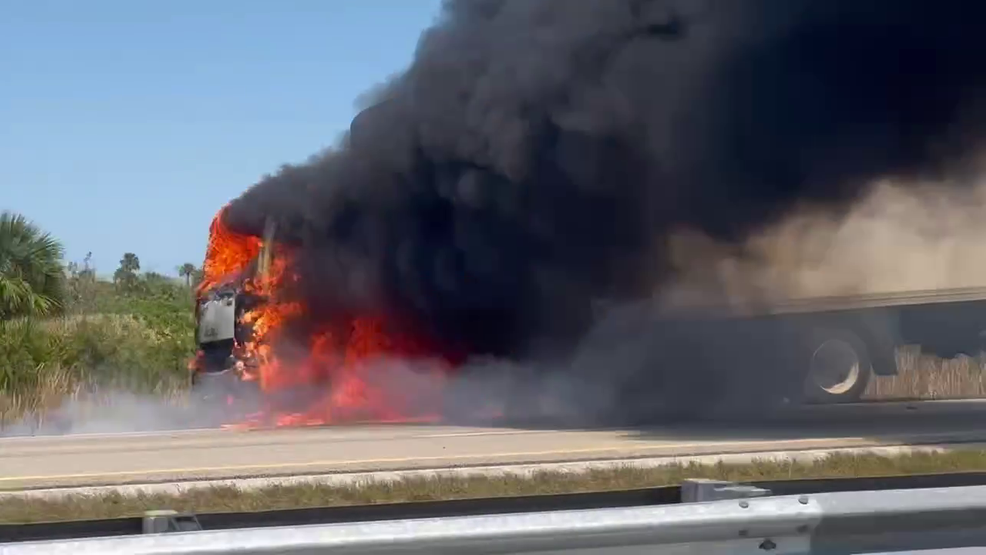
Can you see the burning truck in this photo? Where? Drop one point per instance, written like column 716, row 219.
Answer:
column 252, row 356
column 821, row 350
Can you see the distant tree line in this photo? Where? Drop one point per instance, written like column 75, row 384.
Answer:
column 35, row 281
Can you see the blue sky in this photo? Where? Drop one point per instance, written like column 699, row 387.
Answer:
column 125, row 125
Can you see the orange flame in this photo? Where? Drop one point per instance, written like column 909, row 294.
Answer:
column 337, row 361
column 226, row 254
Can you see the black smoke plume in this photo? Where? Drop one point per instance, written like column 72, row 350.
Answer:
column 536, row 154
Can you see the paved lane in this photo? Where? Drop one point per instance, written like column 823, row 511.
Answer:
column 222, row 454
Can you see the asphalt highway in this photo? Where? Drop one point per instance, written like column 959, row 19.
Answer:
column 115, row 459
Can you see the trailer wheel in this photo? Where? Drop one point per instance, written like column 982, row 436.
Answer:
column 839, row 367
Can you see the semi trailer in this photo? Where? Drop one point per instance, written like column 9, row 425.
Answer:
column 817, row 350
column 758, row 354
column 837, row 343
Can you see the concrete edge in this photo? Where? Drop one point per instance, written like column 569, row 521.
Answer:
column 524, row 470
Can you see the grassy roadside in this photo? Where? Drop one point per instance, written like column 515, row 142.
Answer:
column 229, row 499
column 926, row 377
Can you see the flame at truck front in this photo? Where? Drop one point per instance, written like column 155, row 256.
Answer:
column 308, row 368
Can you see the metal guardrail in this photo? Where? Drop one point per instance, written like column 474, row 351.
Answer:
column 690, row 491
column 840, row 522
column 77, row 529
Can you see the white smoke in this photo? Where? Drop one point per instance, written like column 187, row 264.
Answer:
column 117, row 411
column 897, row 239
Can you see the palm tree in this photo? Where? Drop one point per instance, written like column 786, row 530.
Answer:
column 130, row 263
column 187, row 270
column 31, row 273
column 125, row 276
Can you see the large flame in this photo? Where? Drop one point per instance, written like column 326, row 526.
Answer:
column 337, row 362
column 228, row 253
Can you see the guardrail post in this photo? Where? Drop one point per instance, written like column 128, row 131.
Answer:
column 162, row 521
column 695, row 490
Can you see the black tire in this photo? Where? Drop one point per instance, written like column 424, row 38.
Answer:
column 837, row 367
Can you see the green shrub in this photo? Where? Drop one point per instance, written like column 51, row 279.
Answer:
column 141, row 345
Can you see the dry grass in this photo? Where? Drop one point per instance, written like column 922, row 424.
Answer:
column 229, row 499
column 58, row 388
column 928, row 377
column 55, row 386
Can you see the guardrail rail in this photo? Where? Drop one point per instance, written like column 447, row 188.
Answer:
column 713, row 518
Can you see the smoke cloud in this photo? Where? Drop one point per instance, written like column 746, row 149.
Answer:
column 117, row 411
column 899, row 238
column 538, row 155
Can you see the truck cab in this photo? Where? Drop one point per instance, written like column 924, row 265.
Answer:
column 216, row 371
column 215, row 331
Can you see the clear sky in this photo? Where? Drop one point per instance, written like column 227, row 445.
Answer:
column 125, row 125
